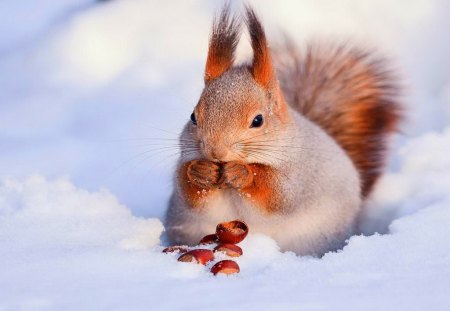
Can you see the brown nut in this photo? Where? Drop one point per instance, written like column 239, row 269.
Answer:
column 172, row 249
column 225, row 267
column 201, row 256
column 232, row 232
column 209, row 239
column 229, row 249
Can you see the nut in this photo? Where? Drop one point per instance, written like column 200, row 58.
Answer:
column 201, row 256
column 229, row 249
column 209, row 239
column 232, row 232
column 172, row 249
column 225, row 267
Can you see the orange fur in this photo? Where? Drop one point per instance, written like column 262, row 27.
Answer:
column 351, row 95
column 222, row 45
column 264, row 190
column 235, row 175
column 261, row 68
column 195, row 186
column 254, row 181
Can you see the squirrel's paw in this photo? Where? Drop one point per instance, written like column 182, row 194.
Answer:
column 203, row 173
column 235, row 175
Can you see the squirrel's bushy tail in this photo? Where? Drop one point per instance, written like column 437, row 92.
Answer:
column 349, row 93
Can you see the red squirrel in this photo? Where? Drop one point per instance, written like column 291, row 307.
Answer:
column 292, row 151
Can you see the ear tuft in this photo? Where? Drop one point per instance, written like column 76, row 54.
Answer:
column 261, row 68
column 222, row 44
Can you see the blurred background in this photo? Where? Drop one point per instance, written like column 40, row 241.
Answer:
column 98, row 90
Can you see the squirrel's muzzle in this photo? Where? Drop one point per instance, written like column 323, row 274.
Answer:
column 216, row 151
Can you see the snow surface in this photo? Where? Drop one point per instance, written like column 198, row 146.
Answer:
column 91, row 96
column 63, row 248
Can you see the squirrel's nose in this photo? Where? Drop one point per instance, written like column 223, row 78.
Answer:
column 216, row 152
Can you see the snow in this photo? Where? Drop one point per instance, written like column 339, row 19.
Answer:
column 66, row 248
column 91, row 96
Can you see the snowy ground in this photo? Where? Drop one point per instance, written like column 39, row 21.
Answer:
column 85, row 85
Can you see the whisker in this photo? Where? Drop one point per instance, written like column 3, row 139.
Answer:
column 164, row 161
column 155, row 154
column 284, row 129
column 166, row 145
column 163, row 130
column 270, row 146
column 261, row 158
column 259, row 135
column 156, row 141
column 270, row 155
column 263, row 155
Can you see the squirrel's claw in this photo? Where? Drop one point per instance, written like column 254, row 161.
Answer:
column 235, row 175
column 202, row 173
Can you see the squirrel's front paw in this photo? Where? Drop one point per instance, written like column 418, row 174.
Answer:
column 235, row 175
column 203, row 173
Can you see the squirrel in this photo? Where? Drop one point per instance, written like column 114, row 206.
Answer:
column 292, row 143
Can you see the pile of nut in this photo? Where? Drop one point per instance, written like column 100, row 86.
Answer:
column 227, row 235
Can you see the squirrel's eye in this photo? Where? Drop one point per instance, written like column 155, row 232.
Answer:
column 193, row 119
column 257, row 121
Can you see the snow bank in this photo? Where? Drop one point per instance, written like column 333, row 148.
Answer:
column 63, row 248
column 421, row 179
column 37, row 215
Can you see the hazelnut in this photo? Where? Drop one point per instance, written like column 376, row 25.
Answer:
column 209, row 239
column 225, row 267
column 172, row 249
column 201, row 256
column 232, row 232
column 229, row 249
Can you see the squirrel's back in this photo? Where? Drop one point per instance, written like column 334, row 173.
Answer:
column 348, row 92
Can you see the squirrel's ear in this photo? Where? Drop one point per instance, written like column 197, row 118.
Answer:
column 222, row 44
column 261, row 68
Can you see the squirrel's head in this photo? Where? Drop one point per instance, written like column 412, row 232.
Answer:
column 241, row 112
